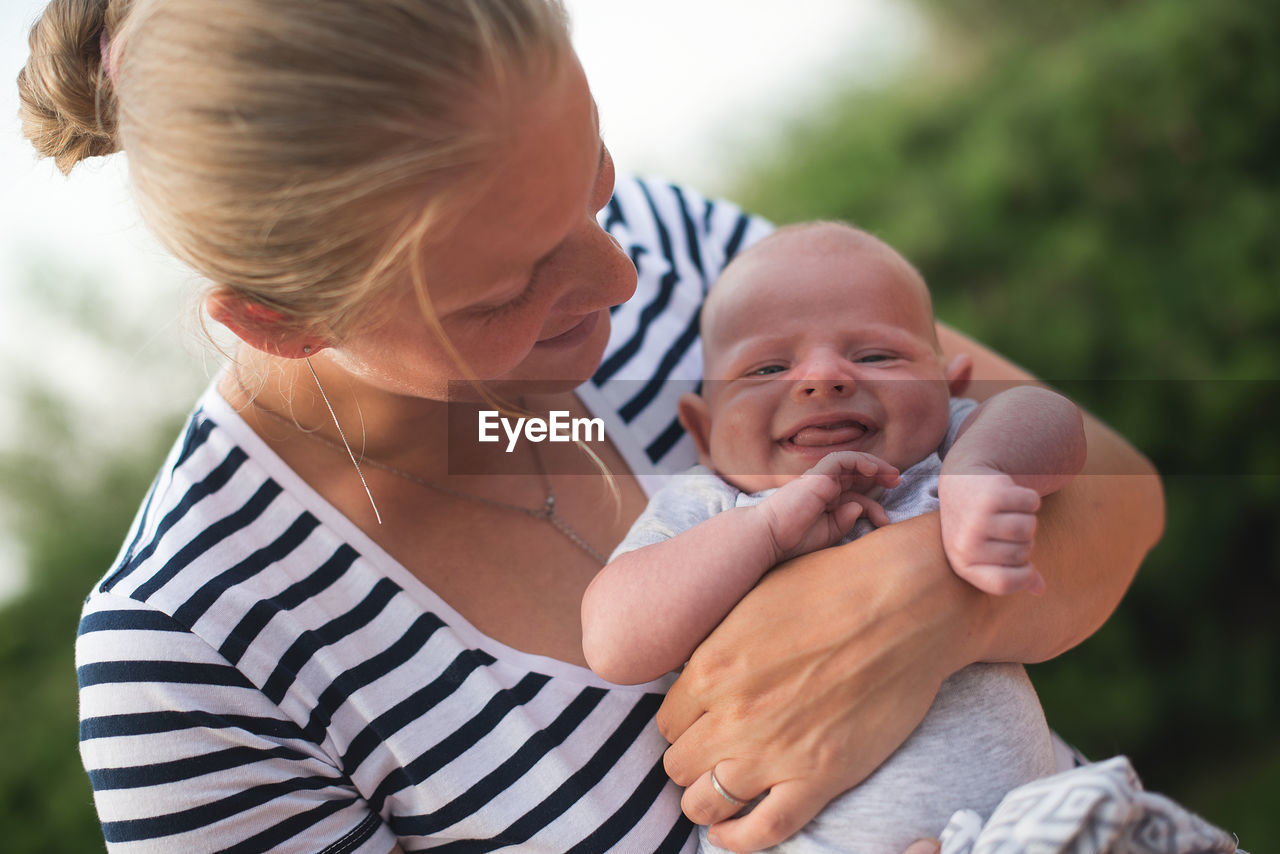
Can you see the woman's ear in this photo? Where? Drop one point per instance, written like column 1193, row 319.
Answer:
column 695, row 417
column 958, row 372
column 260, row 327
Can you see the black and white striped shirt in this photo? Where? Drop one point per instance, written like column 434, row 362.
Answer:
column 256, row 674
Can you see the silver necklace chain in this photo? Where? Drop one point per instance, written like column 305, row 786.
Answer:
column 546, row 512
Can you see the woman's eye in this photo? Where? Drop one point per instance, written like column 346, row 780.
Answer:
column 766, row 370
column 491, row 311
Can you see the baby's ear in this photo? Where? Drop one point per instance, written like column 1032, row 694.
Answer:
column 958, row 372
column 695, row 417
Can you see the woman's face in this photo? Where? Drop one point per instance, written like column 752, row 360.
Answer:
column 522, row 282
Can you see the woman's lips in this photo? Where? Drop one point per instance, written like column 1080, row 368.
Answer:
column 575, row 334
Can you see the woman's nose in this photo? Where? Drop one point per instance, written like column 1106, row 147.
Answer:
column 597, row 272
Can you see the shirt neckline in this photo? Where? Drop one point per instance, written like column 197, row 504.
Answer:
column 227, row 418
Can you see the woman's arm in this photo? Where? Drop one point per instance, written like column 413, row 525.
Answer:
column 1091, row 536
column 825, row 668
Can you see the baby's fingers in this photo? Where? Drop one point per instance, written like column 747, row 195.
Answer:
column 1011, row 555
column 845, row 515
column 1015, row 499
column 861, row 464
column 879, row 471
column 1003, row 580
column 1002, row 539
column 1011, row 527
column 868, row 507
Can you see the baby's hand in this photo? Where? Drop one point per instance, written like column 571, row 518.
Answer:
column 818, row 508
column 988, row 527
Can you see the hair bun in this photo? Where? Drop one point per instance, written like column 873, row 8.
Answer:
column 68, row 107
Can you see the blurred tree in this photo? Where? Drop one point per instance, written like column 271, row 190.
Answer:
column 1091, row 188
column 71, row 514
column 86, row 444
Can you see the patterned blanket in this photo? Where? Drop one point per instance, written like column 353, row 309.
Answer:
column 1099, row 808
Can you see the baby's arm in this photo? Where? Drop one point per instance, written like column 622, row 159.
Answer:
column 1017, row 446
column 646, row 611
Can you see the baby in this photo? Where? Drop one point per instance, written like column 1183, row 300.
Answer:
column 828, row 408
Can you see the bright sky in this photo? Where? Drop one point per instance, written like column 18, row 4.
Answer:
column 683, row 85
column 684, row 88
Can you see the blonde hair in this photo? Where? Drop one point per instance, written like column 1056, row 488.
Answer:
column 296, row 152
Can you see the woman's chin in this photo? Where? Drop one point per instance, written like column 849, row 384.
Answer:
column 567, row 368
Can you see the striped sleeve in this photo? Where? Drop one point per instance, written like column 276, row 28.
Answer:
column 679, row 242
column 184, row 753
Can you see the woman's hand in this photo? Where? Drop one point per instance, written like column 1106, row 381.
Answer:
column 815, row 678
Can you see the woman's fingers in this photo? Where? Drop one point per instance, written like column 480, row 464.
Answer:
column 718, row 795
column 784, row 810
column 685, row 760
column 680, row 710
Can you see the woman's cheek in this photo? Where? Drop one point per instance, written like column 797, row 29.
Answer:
column 484, row 352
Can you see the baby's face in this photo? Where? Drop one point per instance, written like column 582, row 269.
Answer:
column 813, row 349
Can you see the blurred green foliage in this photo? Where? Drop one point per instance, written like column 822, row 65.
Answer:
column 72, row 474
column 1092, row 189
column 71, row 512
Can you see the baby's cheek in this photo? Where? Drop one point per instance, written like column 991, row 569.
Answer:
column 731, row 445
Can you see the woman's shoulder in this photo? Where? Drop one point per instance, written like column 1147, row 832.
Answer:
column 653, row 217
column 679, row 240
column 217, row 514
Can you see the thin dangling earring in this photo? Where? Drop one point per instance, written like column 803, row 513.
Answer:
column 306, row 355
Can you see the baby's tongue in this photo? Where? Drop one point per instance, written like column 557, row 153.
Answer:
column 830, row 434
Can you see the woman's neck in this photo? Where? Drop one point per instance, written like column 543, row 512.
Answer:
column 430, row 438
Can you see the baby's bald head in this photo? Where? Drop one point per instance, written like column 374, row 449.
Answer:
column 842, row 256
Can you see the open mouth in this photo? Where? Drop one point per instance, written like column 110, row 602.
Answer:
column 844, row 431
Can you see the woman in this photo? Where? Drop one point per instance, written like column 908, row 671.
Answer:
column 333, row 626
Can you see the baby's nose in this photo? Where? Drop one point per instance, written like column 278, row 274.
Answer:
column 824, row 377
column 824, row 388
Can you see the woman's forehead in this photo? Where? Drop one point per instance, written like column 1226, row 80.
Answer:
column 529, row 194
